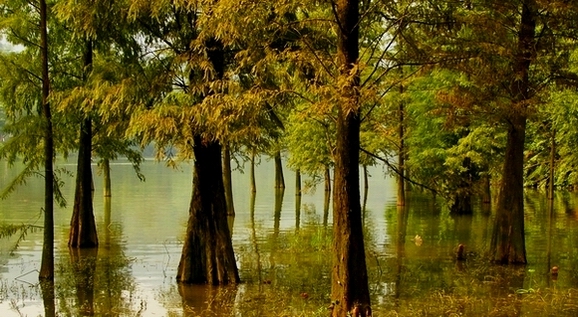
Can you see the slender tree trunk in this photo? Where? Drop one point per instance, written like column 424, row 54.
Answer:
column 279, row 195
column 508, row 241
column 82, row 225
column 552, row 167
column 365, row 191
column 401, row 153
column 327, row 180
column 207, row 256
column 227, row 181
column 279, row 179
column 252, row 173
column 298, row 182
column 297, row 211
column 349, row 285
column 47, row 264
column 106, row 183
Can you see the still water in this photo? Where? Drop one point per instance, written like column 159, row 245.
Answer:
column 283, row 249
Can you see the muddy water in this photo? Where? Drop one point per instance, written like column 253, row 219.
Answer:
column 283, row 247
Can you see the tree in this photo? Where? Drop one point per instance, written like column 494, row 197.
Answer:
column 47, row 264
column 508, row 241
column 349, row 286
column 189, row 108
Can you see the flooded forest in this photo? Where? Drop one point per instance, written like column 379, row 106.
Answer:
column 338, row 158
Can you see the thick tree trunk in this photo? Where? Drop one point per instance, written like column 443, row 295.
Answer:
column 349, row 285
column 279, row 179
column 106, row 183
column 82, row 225
column 508, row 241
column 227, row 181
column 207, row 255
column 47, row 265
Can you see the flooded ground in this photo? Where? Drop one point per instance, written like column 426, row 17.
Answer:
column 283, row 248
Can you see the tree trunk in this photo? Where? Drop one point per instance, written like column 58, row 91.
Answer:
column 279, row 179
column 297, row 211
column 207, row 255
column 252, row 173
column 552, row 167
column 349, row 285
column 298, row 182
column 327, row 180
column 401, row 153
column 365, row 191
column 106, row 183
column 82, row 225
column 227, row 181
column 508, row 242
column 47, row 265
column 279, row 195
column 462, row 204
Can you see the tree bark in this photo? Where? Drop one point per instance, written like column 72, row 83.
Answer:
column 508, row 242
column 106, row 182
column 279, row 179
column 47, row 264
column 252, row 173
column 552, row 167
column 82, row 225
column 298, row 182
column 327, row 180
column 349, row 286
column 207, row 256
column 401, row 153
column 227, row 181
column 462, row 200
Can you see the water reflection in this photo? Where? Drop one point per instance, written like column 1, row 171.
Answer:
column 201, row 300
column 47, row 289
column 282, row 250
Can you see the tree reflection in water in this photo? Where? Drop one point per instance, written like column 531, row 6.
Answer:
column 98, row 282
